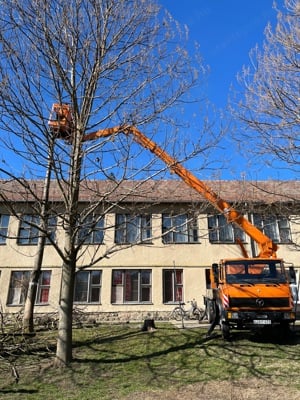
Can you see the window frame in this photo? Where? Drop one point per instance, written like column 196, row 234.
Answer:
column 43, row 287
column 222, row 231
column 29, row 223
column 131, row 228
column 91, row 286
column 91, row 229
column 4, row 227
column 272, row 226
column 120, row 286
column 173, row 285
column 172, row 235
column 24, row 280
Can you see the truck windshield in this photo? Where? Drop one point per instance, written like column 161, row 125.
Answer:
column 255, row 271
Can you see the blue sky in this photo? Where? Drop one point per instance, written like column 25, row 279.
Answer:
column 226, row 32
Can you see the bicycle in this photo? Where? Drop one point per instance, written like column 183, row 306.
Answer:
column 194, row 312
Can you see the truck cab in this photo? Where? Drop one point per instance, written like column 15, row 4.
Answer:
column 250, row 293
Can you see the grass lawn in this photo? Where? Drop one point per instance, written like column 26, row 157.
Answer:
column 115, row 361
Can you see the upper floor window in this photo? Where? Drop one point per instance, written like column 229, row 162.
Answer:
column 132, row 228
column 4, row 220
column 131, row 286
column 275, row 227
column 220, row 231
column 88, row 286
column 18, row 287
column 180, row 228
column 29, row 229
column 91, row 230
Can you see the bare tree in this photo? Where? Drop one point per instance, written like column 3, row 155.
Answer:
column 120, row 63
column 270, row 106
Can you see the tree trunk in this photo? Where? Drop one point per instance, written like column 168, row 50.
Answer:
column 64, row 338
column 28, row 326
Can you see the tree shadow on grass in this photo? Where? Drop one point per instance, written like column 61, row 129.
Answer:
column 170, row 356
column 17, row 390
column 108, row 338
column 186, row 356
column 127, row 354
column 168, row 353
column 199, row 339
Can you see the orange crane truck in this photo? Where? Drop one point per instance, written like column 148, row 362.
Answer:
column 244, row 293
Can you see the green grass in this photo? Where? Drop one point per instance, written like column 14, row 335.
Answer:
column 112, row 361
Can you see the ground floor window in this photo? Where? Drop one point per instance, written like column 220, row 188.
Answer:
column 88, row 287
column 18, row 287
column 131, row 286
column 172, row 285
column 43, row 289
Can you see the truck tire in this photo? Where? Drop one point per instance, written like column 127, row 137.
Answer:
column 284, row 330
column 225, row 331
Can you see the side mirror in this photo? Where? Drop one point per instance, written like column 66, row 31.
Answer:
column 215, row 270
column 292, row 275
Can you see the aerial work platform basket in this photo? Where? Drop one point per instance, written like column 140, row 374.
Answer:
column 61, row 120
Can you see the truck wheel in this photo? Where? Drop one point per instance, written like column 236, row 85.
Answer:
column 225, row 331
column 284, row 329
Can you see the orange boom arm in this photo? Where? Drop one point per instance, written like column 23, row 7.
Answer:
column 61, row 124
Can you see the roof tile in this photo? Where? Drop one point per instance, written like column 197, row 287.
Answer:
column 161, row 191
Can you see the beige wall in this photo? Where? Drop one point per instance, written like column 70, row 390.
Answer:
column 192, row 258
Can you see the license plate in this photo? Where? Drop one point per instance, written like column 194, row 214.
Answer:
column 262, row 322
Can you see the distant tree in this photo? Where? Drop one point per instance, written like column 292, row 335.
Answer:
column 115, row 63
column 269, row 108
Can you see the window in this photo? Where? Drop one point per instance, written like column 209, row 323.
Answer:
column 172, row 285
column 91, row 230
column 4, row 220
column 88, row 287
column 18, row 287
column 43, row 289
column 275, row 227
column 132, row 228
column 179, row 229
column 51, row 228
column 131, row 286
column 220, row 231
column 255, row 271
column 29, row 232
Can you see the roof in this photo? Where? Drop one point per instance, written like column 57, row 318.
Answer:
column 158, row 191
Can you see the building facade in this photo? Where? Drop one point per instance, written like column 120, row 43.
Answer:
column 143, row 247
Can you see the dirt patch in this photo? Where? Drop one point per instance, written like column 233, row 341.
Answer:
column 252, row 389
